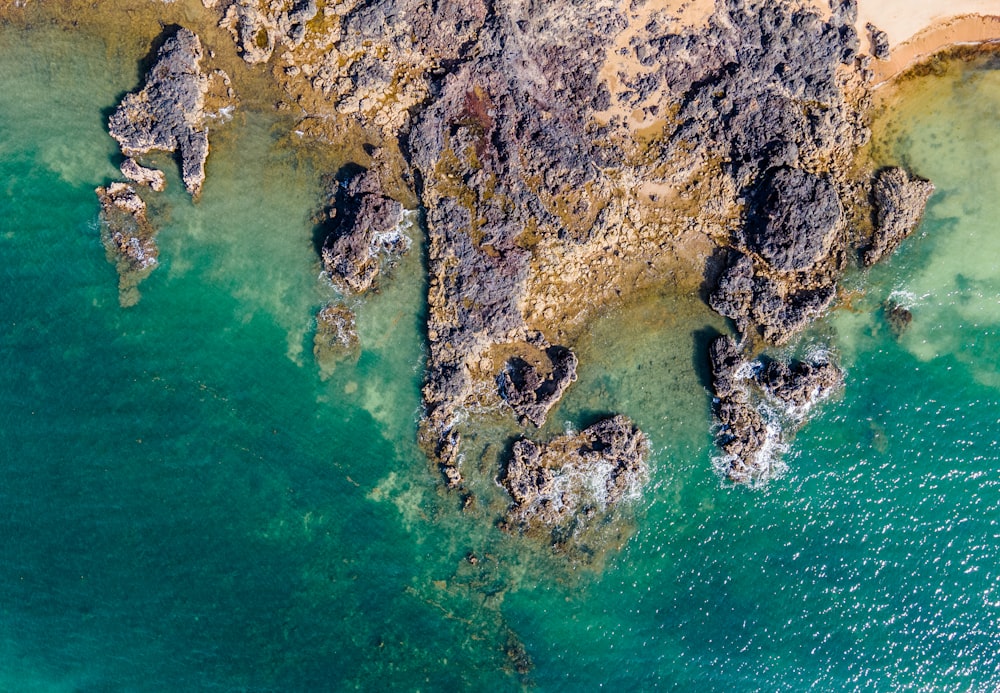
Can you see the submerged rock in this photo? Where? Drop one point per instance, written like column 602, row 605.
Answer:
column 900, row 201
column 899, row 317
column 365, row 233
column 128, row 237
column 336, row 336
column 560, row 487
column 168, row 113
column 531, row 392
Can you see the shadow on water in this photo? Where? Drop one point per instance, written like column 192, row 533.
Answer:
column 702, row 339
column 336, row 208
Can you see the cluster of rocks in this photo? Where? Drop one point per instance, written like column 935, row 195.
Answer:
column 259, row 26
column 168, row 114
column 562, row 487
column 748, row 431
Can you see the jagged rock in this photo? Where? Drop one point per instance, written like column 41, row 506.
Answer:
column 739, row 384
column 365, row 226
column 167, row 114
column 567, row 482
column 336, row 335
column 879, row 41
column 899, row 205
column 147, row 176
column 128, row 237
column 799, row 383
column 258, row 28
column 795, row 220
column 530, row 392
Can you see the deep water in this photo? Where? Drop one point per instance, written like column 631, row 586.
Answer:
column 185, row 504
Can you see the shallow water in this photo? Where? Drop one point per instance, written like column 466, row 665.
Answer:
column 186, row 503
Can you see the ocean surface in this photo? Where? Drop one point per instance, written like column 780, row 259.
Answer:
column 187, row 503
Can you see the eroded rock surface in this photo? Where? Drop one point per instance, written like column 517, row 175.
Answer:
column 560, row 487
column 900, row 201
column 532, row 390
column 168, row 113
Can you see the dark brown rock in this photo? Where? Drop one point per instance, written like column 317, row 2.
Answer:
column 531, row 393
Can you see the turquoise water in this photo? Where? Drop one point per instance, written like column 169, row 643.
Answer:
column 186, row 504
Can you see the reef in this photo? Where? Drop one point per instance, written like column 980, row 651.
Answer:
column 336, row 337
column 128, row 237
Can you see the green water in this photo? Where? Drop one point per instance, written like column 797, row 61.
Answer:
column 185, row 504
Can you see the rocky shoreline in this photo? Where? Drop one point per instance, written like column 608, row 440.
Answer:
column 564, row 158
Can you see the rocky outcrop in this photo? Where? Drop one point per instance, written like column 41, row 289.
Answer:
column 799, row 384
column 758, row 406
column 128, row 237
column 336, row 336
column 879, row 41
column 560, row 487
column 774, row 307
column 168, row 113
column 899, row 202
column 363, row 233
column 898, row 316
column 531, row 389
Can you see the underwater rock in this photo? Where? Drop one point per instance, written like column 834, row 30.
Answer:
column 568, row 482
column 336, row 335
column 364, row 233
column 899, row 317
column 128, row 237
column 529, row 391
column 900, row 201
column 168, row 113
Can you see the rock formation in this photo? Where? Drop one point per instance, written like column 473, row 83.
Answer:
column 899, row 204
column 128, row 237
column 748, row 431
column 879, row 41
column 363, row 232
column 168, row 113
column 561, row 487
